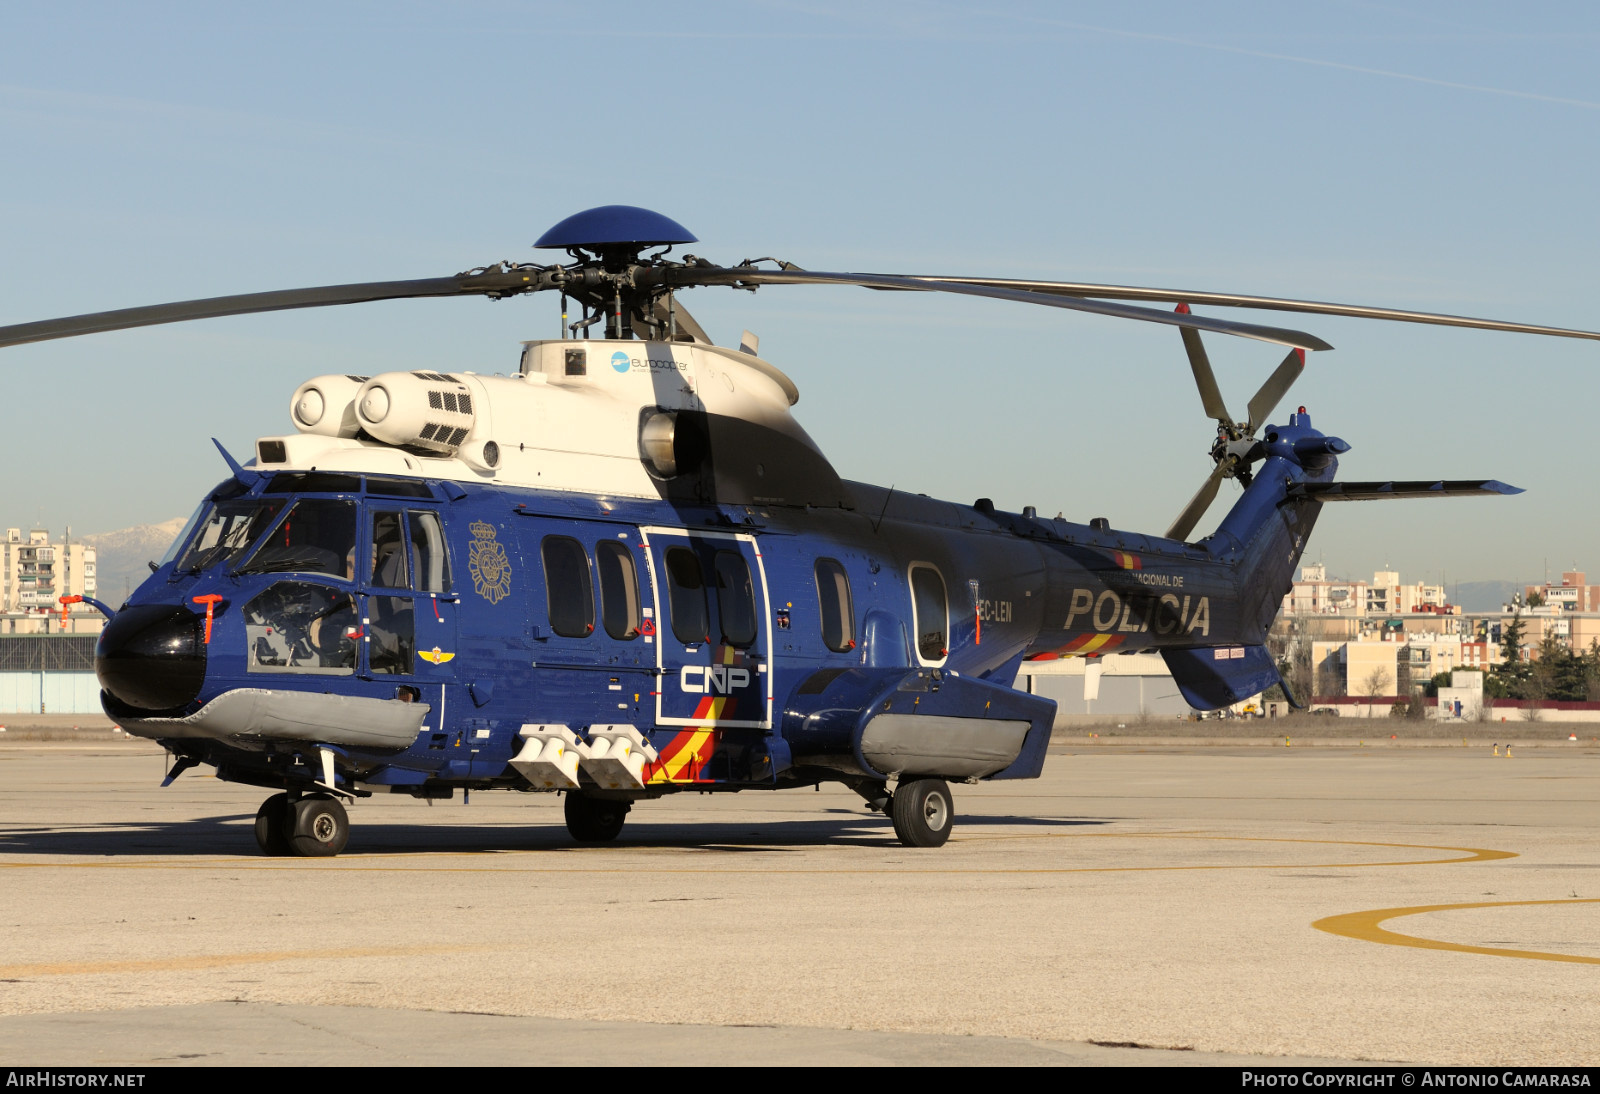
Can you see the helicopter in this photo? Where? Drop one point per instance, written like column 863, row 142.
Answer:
column 627, row 571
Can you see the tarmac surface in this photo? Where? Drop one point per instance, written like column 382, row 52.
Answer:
column 1166, row 904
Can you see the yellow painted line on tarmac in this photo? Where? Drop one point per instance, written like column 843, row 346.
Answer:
column 409, row 860
column 191, row 962
column 1366, row 927
column 1469, row 854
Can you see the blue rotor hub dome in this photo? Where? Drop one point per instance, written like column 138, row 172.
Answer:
column 615, row 226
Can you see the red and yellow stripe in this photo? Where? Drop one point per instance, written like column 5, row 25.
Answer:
column 684, row 758
column 1126, row 560
column 1085, row 645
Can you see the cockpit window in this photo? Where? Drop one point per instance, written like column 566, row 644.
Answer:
column 389, row 552
column 317, row 537
column 313, row 482
column 397, row 488
column 432, row 563
column 183, row 536
column 228, row 529
column 296, row 626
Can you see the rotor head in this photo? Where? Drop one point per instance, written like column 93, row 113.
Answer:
column 615, row 232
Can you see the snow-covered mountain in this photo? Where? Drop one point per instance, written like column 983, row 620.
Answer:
column 122, row 556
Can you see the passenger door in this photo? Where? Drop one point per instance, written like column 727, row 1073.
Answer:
column 713, row 642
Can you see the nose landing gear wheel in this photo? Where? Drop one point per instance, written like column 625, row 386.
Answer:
column 923, row 812
column 594, row 820
column 320, row 828
column 272, row 826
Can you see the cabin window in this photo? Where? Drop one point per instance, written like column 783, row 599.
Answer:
column 619, row 589
column 736, row 600
column 686, row 591
column 318, row 537
column 297, row 626
column 389, row 552
column 227, row 531
column 566, row 585
column 929, row 611
column 836, row 613
column 391, row 635
column 432, row 562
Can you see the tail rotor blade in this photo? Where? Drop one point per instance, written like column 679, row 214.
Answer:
column 1282, row 378
column 1204, row 378
column 1200, row 502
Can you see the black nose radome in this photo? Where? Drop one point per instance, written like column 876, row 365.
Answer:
column 153, row 656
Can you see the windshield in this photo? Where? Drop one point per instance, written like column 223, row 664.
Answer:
column 229, row 528
column 318, row 536
column 183, row 536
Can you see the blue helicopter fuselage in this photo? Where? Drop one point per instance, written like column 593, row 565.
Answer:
column 417, row 632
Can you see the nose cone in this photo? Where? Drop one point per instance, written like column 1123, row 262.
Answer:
column 152, row 657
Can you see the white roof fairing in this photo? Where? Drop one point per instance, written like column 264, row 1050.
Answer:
column 570, row 421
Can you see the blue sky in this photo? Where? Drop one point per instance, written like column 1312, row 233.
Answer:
column 1419, row 155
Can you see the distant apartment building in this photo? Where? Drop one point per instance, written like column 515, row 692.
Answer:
column 1358, row 634
column 1385, row 594
column 35, row 572
column 1376, row 638
column 1574, row 594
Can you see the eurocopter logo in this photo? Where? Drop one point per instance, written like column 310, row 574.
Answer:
column 491, row 570
column 621, row 363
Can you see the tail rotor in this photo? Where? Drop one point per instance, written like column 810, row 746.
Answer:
column 1236, row 447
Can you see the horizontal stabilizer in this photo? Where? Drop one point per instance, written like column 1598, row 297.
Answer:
column 1379, row 491
column 1218, row 676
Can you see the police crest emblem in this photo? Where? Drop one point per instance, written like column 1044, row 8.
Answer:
column 491, row 570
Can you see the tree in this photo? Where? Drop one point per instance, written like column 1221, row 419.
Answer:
column 1512, row 672
column 1591, row 671
column 1540, row 679
column 1417, row 711
column 1569, row 676
column 1535, row 600
column 1374, row 684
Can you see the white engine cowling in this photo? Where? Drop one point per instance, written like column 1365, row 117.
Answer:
column 429, row 410
column 326, row 405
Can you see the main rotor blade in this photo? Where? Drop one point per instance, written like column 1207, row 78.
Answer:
column 736, row 275
column 492, row 283
column 1204, row 378
column 1266, row 303
column 1262, row 402
column 1201, row 501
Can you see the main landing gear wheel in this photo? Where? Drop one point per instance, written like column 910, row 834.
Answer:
column 272, row 826
column 594, row 820
column 320, row 827
column 923, row 812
